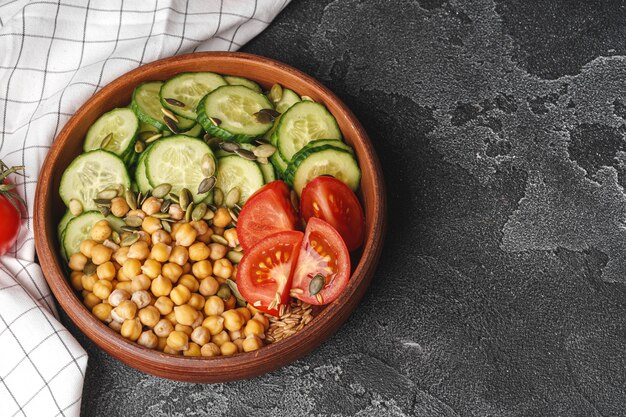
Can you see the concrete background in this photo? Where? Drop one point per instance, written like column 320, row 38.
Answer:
column 501, row 130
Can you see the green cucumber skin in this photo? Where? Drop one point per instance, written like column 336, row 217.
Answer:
column 236, row 80
column 269, row 174
column 289, row 99
column 141, row 115
column 115, row 222
column 277, row 160
column 303, row 154
column 178, row 110
column 131, row 144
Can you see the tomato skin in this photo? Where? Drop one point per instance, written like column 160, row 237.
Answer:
column 336, row 271
column 267, row 211
column 10, row 221
column 331, row 200
column 272, row 260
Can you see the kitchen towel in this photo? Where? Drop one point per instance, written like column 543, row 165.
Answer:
column 54, row 55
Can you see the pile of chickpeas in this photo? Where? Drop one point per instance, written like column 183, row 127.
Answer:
column 167, row 290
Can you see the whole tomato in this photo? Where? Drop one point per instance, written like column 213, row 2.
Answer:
column 10, row 217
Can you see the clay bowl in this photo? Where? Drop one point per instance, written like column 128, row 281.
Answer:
column 49, row 209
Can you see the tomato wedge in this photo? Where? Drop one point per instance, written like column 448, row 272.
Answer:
column 267, row 211
column 323, row 258
column 265, row 271
column 331, row 200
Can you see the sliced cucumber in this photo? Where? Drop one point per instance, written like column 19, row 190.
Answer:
column 61, row 230
column 176, row 160
column 289, row 99
column 147, row 104
column 303, row 122
column 277, row 160
column 332, row 142
column 141, row 179
column 145, row 127
column 89, row 174
column 234, row 171
column 79, row 229
column 189, row 88
column 323, row 160
column 195, row 132
column 266, row 169
column 234, row 80
column 234, row 106
column 121, row 124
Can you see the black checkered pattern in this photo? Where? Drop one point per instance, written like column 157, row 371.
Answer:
column 53, row 56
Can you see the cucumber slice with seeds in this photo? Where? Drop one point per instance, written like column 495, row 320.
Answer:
column 122, row 124
column 267, row 170
column 234, row 106
column 147, row 104
column 189, row 88
column 303, row 122
column 61, row 231
column 234, row 171
column 79, row 229
column 89, row 174
column 141, row 179
column 234, row 80
column 289, row 99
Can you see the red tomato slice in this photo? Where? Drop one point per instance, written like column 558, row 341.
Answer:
column 267, row 211
column 331, row 200
column 11, row 221
column 324, row 253
column 265, row 271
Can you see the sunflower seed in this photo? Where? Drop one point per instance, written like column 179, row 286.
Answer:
column 139, row 199
column 295, row 202
column 106, row 141
column 232, row 197
column 76, row 207
column 165, row 207
column 127, row 228
column 234, row 256
column 102, row 201
column 208, row 165
column 306, row 98
column 139, row 146
column 174, row 102
column 261, row 141
column 152, row 138
column 161, row 216
column 213, row 142
column 264, row 151
column 166, row 226
column 207, row 185
column 238, row 248
column 229, row 146
column 276, row 93
column 262, row 160
column 233, row 215
column 143, row 198
column 208, row 215
column 188, row 212
column 168, row 113
column 90, row 268
column 146, row 134
column 246, row 154
column 219, row 239
column 130, row 239
column 218, row 197
column 131, row 199
column 198, row 212
column 162, row 190
column 133, row 221
column 316, row 284
column 108, row 194
column 215, row 121
column 111, row 245
column 104, row 210
column 171, row 124
column 185, row 198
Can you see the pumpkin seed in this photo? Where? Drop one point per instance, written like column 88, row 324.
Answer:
column 127, row 228
column 234, row 256
column 162, row 190
column 188, row 212
column 133, row 221
column 235, row 291
column 169, row 114
column 153, row 138
column 208, row 165
column 262, row 160
column 106, row 141
column 174, row 198
column 208, row 215
column 316, row 284
column 102, row 201
column 161, row 216
column 146, row 134
column 76, row 207
column 107, row 194
column 246, row 154
column 115, row 237
column 238, row 248
column 139, row 146
column 104, row 210
column 166, row 226
column 219, row 239
column 229, row 146
column 306, row 98
column 130, row 239
column 224, row 292
column 266, row 115
column 215, row 121
column 232, row 197
column 89, row 268
column 218, row 197
column 131, row 199
column 165, row 207
column 185, row 198
column 171, row 124
column 207, row 185
column 276, row 93
column 261, row 141
column 264, row 151
column 174, row 102
column 198, row 212
column 143, row 198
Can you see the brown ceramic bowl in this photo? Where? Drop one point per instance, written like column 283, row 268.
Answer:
column 49, row 209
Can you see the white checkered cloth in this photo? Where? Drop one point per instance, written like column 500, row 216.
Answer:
column 54, row 56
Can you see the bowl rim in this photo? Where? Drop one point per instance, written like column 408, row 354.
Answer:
column 215, row 369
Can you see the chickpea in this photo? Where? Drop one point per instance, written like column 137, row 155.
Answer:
column 148, row 339
column 214, row 306
column 139, row 213
column 86, row 246
column 202, row 269
column 180, row 295
column 178, row 340
column 228, row 348
column 231, row 237
column 151, row 205
column 88, row 281
column 218, row 251
column 160, row 252
column 101, row 231
column 100, row 254
column 254, row 327
column 171, row 317
column 171, row 351
column 119, row 207
column 252, row 343
column 230, row 303
column 222, row 268
column 121, row 255
column 233, row 320
column 151, row 268
column 262, row 318
column 117, row 296
column 131, row 329
column 185, row 314
column 187, row 268
column 245, row 313
column 201, row 335
column 140, row 283
column 131, row 268
column 206, row 236
column 162, row 344
column 161, row 286
column 127, row 310
column 220, row 338
column 201, row 227
column 222, row 218
column 161, row 236
column 164, row 305
column 179, row 255
column 190, row 282
column 214, row 324
column 126, row 286
column 199, row 252
column 197, row 301
column 121, row 275
column 171, row 271
column 139, row 250
column 183, row 328
column 102, row 289
column 115, row 325
column 218, row 230
column 193, row 350
column 142, row 298
column 210, row 349
column 199, row 320
column 149, row 316
column 185, row 235
column 151, row 224
column 239, row 343
column 237, row 334
column 163, row 328
column 106, row 271
column 77, row 262
column 102, row 312
column 76, row 278
column 176, row 212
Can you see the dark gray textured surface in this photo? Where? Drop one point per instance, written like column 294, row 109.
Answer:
column 500, row 127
